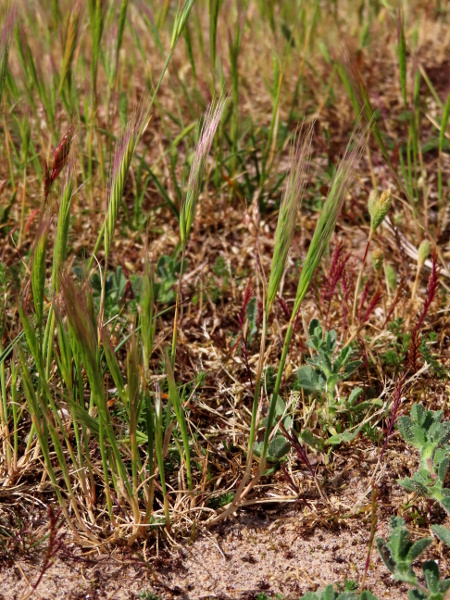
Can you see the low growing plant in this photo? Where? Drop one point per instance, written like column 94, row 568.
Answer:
column 399, row 554
column 320, row 378
column 323, row 372
column 329, row 593
column 425, row 430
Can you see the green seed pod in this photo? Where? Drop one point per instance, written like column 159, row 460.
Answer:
column 378, row 208
column 423, row 252
column 391, row 277
column 377, row 259
column 398, row 219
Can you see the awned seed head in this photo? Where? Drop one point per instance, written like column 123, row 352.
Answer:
column 5, row 40
column 59, row 160
column 6, row 33
column 198, row 167
column 61, row 153
column 287, row 217
column 120, row 168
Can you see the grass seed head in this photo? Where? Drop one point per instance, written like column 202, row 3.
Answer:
column 378, row 208
column 76, row 304
column 70, row 42
column 180, row 21
column 39, row 268
column 62, row 231
column 391, row 277
column 61, row 153
column 5, row 40
column 377, row 259
column 287, row 217
column 121, row 166
column 59, row 160
column 330, row 212
column 198, row 167
column 423, row 252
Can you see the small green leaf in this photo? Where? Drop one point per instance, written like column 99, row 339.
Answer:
column 328, row 593
column 446, row 504
column 257, row 447
column 343, row 438
column 417, row 548
column 342, row 358
column 354, row 395
column 312, row 440
column 313, row 326
column 431, row 574
column 444, row 585
column 416, row 595
column 352, row 367
column 413, row 486
column 442, row 533
column 385, row 554
column 278, row 448
column 366, row 595
column 308, row 379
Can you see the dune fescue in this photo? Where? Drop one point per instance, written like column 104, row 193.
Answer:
column 181, row 17
column 180, row 21
column 5, row 40
column 85, row 345
column 208, row 131
column 38, row 269
column 70, row 44
column 60, row 158
column 147, row 316
column 142, row 442
column 121, row 166
column 175, row 400
column 319, row 243
column 187, row 212
column 121, row 27
column 48, row 422
column 159, row 444
column 97, row 10
column 287, row 217
column 62, row 231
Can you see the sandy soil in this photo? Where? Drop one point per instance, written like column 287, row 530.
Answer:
column 273, row 547
column 266, row 551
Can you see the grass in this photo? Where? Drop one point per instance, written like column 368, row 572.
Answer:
column 142, row 146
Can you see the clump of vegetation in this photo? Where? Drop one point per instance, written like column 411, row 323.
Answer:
column 189, row 322
column 424, row 430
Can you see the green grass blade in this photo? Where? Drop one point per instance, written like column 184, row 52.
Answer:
column 179, row 412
